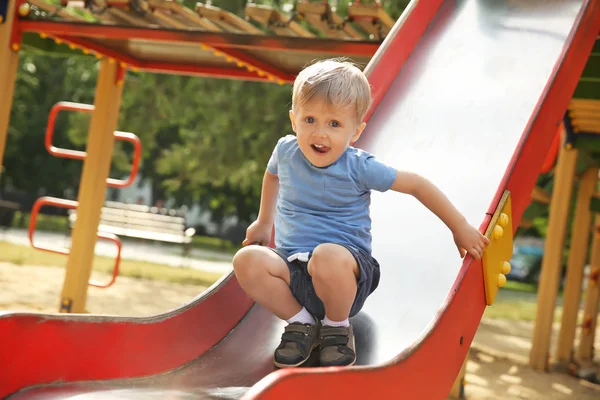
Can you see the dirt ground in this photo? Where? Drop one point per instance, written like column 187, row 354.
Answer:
column 489, row 377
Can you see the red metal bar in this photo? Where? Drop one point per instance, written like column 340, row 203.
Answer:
column 72, row 205
column 64, row 106
column 120, row 75
column 213, row 39
column 137, row 156
column 461, row 312
column 553, row 153
column 80, row 155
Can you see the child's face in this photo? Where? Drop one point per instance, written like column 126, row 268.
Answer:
column 324, row 131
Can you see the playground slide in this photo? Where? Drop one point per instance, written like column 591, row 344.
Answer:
column 472, row 102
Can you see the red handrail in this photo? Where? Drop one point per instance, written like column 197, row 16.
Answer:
column 135, row 165
column 71, row 204
column 80, row 155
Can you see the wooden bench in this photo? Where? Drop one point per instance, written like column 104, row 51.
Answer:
column 142, row 222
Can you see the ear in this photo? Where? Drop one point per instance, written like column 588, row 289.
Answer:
column 293, row 121
column 359, row 131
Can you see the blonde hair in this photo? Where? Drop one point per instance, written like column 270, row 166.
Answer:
column 337, row 81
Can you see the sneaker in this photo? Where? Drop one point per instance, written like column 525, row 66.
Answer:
column 337, row 346
column 297, row 343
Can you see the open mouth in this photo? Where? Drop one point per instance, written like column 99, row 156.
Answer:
column 319, row 148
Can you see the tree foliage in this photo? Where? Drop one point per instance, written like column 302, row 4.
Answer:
column 204, row 140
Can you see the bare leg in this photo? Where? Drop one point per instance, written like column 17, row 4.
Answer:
column 264, row 276
column 334, row 273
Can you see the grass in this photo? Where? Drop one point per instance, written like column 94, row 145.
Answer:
column 520, row 287
column 517, row 311
column 215, row 244
column 513, row 310
column 24, row 255
column 517, row 301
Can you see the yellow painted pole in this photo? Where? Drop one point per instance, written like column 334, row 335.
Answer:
column 96, row 169
column 577, row 257
column 585, row 350
column 9, row 60
column 539, row 357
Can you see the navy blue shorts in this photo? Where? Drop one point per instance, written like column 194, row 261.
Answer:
column 304, row 291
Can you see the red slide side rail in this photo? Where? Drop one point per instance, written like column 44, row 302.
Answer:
column 227, row 302
column 80, row 155
column 461, row 313
column 70, row 204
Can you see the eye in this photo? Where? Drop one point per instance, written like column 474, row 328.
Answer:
column 335, row 124
column 310, row 120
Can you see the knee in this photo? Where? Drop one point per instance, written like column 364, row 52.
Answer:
column 330, row 261
column 246, row 264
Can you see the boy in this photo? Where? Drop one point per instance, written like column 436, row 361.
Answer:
column 316, row 192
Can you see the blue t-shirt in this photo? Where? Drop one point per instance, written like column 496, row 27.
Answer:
column 325, row 205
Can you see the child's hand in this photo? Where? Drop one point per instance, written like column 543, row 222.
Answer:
column 258, row 233
column 468, row 239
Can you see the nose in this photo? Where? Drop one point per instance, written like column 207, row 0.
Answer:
column 319, row 133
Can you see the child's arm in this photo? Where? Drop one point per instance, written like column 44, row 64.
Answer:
column 259, row 231
column 468, row 239
column 268, row 199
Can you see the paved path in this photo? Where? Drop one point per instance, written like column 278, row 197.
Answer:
column 205, row 260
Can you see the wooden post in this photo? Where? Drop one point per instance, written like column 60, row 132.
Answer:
column 553, row 253
column 96, row 169
column 577, row 258
column 585, row 351
column 9, row 61
column 458, row 388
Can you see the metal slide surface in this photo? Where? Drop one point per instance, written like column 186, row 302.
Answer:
column 473, row 109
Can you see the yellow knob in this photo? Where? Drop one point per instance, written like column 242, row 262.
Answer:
column 505, row 267
column 24, row 9
column 498, row 232
column 501, row 280
column 503, row 219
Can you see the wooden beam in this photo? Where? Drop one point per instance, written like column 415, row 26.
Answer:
column 96, row 167
column 183, row 15
column 9, row 60
column 540, row 195
column 330, row 23
column 585, row 350
column 584, row 104
column 225, row 19
column 539, row 357
column 275, row 21
column 372, row 18
column 458, row 388
column 577, row 257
